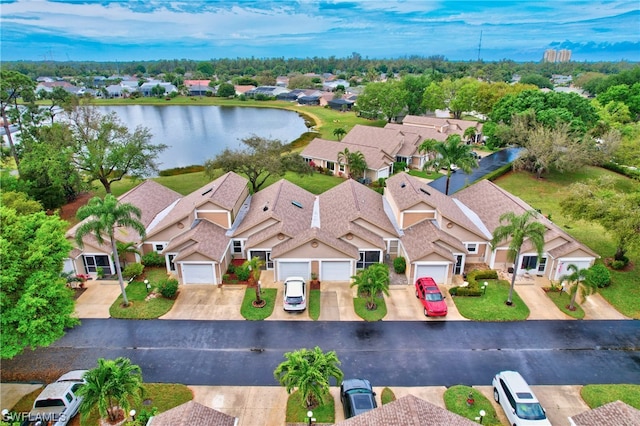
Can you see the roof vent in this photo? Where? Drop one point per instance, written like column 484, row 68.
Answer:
column 297, row 204
column 207, row 191
column 402, row 185
column 425, row 191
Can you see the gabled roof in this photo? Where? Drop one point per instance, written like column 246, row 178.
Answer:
column 315, row 234
column 341, row 205
column 612, row 414
column 388, row 140
column 423, row 239
column 450, row 125
column 224, row 192
column 204, row 237
column 423, row 132
column 328, row 150
column 407, row 191
column 408, row 411
column 284, row 202
column 192, row 414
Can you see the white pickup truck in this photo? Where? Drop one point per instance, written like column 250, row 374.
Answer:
column 58, row 402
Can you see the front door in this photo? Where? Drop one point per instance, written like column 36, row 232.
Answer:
column 457, row 269
column 542, row 265
column 529, row 262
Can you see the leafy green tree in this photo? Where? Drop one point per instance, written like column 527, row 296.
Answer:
column 310, row 372
column 226, row 90
column 339, row 133
column 111, row 387
column 20, row 202
column 600, row 201
column 103, row 218
column 457, row 95
column 37, row 307
column 299, row 81
column 537, row 80
column 515, row 229
column 577, row 281
column 13, row 85
column 158, row 91
column 385, row 98
column 414, row 86
column 105, row 150
column 452, row 152
column 60, row 99
column 255, row 265
column 372, row 281
column 205, row 68
column 261, row 159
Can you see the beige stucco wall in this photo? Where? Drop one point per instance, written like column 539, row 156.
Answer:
column 411, row 218
column 171, row 231
column 219, row 218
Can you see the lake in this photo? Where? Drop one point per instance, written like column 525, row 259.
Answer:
column 195, row 134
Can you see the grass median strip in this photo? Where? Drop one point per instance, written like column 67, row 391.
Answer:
column 360, row 306
column 257, row 314
column 297, row 410
column 491, row 305
column 314, row 304
column 139, row 308
column 562, row 300
column 598, row 395
column 455, row 399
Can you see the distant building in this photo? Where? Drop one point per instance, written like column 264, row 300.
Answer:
column 552, row 55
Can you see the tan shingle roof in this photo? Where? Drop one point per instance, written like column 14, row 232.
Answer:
column 224, row 191
column 612, row 414
column 278, row 200
column 151, row 198
column 408, row 411
column 192, row 414
column 415, row 191
column 422, row 239
column 315, row 234
column 328, row 150
column 205, row 237
column 422, row 132
column 450, row 125
column 350, row 201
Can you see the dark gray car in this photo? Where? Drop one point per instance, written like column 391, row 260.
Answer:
column 357, row 397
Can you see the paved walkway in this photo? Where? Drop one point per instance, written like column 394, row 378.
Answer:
column 254, row 405
column 97, row 299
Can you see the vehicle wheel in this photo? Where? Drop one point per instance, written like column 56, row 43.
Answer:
column 426, row 314
column 495, row 395
column 417, row 295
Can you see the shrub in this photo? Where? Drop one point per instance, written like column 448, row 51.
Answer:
column 153, row 259
column 243, row 272
column 133, row 270
column 231, row 269
column 387, row 396
column 399, row 166
column 399, row 265
column 225, row 278
column 473, row 289
column 168, row 288
column 617, row 264
column 599, row 275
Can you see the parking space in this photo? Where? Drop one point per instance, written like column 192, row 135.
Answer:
column 208, row 302
column 97, row 299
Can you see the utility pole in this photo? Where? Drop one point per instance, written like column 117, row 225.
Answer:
column 480, row 46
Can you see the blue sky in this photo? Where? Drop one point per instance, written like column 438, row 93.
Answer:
column 147, row 30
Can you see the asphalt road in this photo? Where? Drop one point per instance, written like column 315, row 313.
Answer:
column 486, row 165
column 245, row 353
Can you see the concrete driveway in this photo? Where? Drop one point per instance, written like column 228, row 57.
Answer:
column 207, row 302
column 97, row 299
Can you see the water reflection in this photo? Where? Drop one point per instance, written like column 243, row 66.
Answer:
column 194, row 134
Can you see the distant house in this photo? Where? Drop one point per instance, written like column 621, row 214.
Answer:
column 200, row 90
column 242, row 89
column 340, row 104
column 446, row 126
column 333, row 85
column 147, row 88
column 269, row 91
column 309, row 100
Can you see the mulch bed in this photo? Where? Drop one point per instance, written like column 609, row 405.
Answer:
column 69, row 210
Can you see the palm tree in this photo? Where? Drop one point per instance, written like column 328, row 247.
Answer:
column 428, row 146
column 577, row 280
column 309, row 371
column 453, row 152
column 518, row 228
column 343, row 157
column 339, row 133
column 353, row 161
column 104, row 216
column 372, row 281
column 470, row 133
column 123, row 249
column 255, row 265
column 111, row 386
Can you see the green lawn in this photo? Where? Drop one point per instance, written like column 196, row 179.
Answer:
column 455, row 399
column 545, row 194
column 491, row 306
column 297, row 410
column 597, row 395
column 562, row 300
column 139, row 308
column 314, row 304
column 360, row 306
column 387, row 396
column 425, row 175
column 256, row 314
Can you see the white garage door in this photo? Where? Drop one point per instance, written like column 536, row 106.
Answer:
column 335, row 270
column 563, row 266
column 197, row 273
column 437, row 272
column 293, row 269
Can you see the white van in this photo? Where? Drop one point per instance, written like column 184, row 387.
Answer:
column 517, row 400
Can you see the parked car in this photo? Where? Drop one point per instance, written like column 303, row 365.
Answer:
column 432, row 300
column 58, row 402
column 517, row 400
column 295, row 294
column 357, row 397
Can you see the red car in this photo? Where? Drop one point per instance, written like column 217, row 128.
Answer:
column 432, row 300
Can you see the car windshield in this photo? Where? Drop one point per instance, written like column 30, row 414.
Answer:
column 530, row 411
column 362, row 401
column 294, row 300
column 434, row 297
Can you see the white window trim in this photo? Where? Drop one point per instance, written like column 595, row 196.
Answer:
column 475, row 247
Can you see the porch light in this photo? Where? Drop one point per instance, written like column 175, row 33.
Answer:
column 482, row 414
column 484, row 287
column 147, row 285
column 310, row 415
column 132, row 413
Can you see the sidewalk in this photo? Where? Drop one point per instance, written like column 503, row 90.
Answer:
column 254, row 405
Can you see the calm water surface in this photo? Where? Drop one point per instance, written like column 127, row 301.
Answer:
column 195, row 134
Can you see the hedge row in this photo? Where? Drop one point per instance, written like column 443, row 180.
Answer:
column 473, row 289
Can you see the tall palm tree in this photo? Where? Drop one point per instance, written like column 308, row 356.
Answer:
column 453, row 152
column 577, row 280
column 104, row 216
column 372, row 281
column 518, row 228
column 310, row 372
column 428, row 146
column 111, row 386
column 255, row 265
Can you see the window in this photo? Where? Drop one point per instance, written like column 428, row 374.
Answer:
column 472, row 247
column 69, row 397
column 159, row 247
column 368, row 258
column 172, row 266
column 331, row 166
column 237, row 246
column 341, row 168
column 529, row 262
